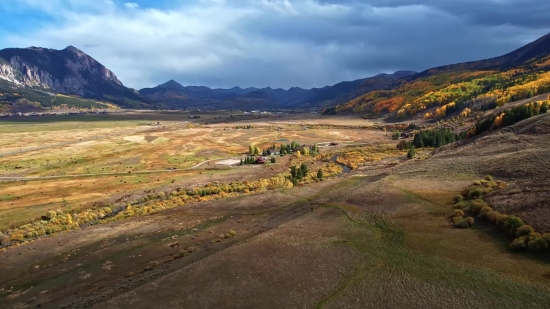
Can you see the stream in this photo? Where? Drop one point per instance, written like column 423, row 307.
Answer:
column 345, row 169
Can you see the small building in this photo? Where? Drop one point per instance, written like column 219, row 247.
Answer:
column 260, row 160
column 273, row 151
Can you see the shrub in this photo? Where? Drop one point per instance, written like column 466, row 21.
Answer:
column 489, row 178
column 458, row 198
column 477, row 183
column 50, row 214
column 524, row 230
column 5, row 240
column 485, row 212
column 183, row 253
column 463, row 205
column 469, row 221
column 460, row 223
column 498, row 218
column 457, row 213
column 152, row 265
column 477, row 205
column 537, row 245
column 546, row 237
column 518, row 244
column 412, row 153
column 512, row 223
column 475, row 193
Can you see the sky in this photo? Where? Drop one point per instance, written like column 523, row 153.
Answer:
column 276, row 43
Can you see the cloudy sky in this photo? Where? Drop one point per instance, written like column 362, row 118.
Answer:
column 277, row 43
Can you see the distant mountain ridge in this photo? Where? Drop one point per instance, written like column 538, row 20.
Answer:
column 38, row 74
column 173, row 93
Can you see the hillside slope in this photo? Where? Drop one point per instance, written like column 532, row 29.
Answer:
column 442, row 91
column 518, row 154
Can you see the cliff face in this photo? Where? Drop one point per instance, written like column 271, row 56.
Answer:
column 7, row 72
column 67, row 71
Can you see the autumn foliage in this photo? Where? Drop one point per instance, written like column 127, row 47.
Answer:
column 452, row 92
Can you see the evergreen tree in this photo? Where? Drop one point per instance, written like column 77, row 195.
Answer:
column 320, row 174
column 303, row 170
column 294, row 171
column 256, row 151
column 251, row 149
column 544, row 108
column 396, row 135
column 411, row 153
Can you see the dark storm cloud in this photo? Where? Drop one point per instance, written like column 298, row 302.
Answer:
column 282, row 43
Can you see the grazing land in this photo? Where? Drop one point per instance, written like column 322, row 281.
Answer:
column 371, row 231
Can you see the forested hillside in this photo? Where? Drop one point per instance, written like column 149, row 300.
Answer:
column 442, row 91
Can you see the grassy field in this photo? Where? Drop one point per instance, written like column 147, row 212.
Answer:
column 111, row 167
column 378, row 237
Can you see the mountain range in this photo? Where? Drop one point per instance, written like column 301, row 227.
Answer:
column 174, row 94
column 47, row 77
column 38, row 73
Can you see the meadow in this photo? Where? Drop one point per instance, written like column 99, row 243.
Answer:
column 374, row 236
column 119, row 157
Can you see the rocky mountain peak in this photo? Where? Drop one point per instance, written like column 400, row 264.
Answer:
column 67, row 71
column 75, row 50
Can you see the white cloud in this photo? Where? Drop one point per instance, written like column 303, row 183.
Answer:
column 131, row 5
column 278, row 43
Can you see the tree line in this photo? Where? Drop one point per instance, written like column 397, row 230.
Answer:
column 440, row 137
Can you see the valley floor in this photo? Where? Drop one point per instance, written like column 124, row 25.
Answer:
column 377, row 237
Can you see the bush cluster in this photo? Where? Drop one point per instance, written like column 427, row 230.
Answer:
column 471, row 201
column 57, row 221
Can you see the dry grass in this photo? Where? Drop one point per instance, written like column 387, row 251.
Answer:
column 155, row 149
column 382, row 241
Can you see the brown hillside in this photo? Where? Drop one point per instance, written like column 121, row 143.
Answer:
column 519, row 154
